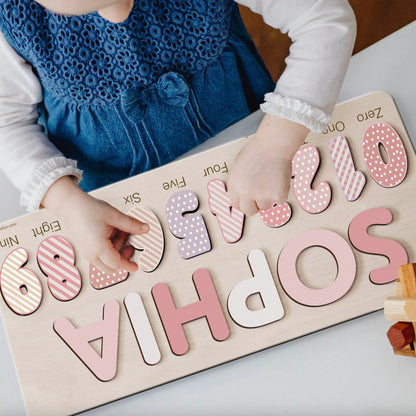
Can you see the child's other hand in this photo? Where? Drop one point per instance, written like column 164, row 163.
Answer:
column 98, row 230
column 261, row 173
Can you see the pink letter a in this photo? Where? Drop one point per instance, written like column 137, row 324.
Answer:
column 104, row 367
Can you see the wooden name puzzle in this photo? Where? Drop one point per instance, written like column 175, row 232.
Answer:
column 212, row 285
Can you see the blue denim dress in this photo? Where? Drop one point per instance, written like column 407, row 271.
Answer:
column 122, row 98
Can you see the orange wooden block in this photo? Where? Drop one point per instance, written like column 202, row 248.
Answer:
column 407, row 276
column 407, row 351
column 401, row 334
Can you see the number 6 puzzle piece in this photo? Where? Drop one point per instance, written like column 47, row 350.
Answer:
column 391, row 173
column 152, row 243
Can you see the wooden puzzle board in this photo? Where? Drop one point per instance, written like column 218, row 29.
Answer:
column 55, row 381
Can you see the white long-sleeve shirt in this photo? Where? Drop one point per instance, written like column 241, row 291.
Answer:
column 323, row 34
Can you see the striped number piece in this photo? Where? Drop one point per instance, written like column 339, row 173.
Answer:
column 152, row 243
column 230, row 220
column 277, row 215
column 304, row 167
column 352, row 181
column 391, row 173
column 101, row 280
column 56, row 259
column 20, row 287
column 190, row 228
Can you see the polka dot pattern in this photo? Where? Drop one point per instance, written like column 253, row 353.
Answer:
column 101, row 280
column 304, row 167
column 190, row 228
column 277, row 215
column 152, row 243
column 393, row 172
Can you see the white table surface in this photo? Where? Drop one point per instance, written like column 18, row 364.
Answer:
column 348, row 369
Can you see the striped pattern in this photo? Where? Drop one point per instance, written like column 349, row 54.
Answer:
column 230, row 220
column 152, row 243
column 56, row 259
column 352, row 182
column 19, row 286
column 101, row 280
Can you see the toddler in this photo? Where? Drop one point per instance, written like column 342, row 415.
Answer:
column 95, row 91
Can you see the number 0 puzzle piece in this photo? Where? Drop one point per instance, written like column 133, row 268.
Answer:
column 392, row 172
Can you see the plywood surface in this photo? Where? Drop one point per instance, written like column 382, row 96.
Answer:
column 54, row 380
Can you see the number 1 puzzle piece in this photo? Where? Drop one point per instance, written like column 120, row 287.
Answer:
column 352, row 181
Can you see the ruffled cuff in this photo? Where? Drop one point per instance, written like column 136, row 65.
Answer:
column 44, row 176
column 295, row 110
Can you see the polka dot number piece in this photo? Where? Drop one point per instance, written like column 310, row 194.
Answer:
column 277, row 215
column 101, row 280
column 393, row 172
column 190, row 228
column 304, row 167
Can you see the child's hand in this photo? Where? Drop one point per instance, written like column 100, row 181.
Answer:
column 261, row 173
column 98, row 230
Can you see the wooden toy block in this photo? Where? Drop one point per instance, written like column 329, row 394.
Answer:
column 213, row 285
column 398, row 288
column 402, row 307
column 407, row 278
column 401, row 334
column 407, row 351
